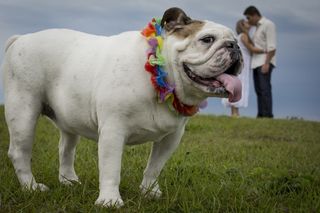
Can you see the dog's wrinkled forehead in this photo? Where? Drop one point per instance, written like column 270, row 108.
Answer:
column 217, row 30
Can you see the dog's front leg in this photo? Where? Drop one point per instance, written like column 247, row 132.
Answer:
column 161, row 151
column 110, row 148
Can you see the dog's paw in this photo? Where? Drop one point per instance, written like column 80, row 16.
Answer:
column 36, row 187
column 109, row 202
column 69, row 181
column 151, row 192
column 40, row 186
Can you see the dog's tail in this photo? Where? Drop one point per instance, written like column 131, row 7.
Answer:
column 10, row 41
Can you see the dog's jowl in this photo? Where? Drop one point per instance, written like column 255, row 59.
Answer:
column 119, row 90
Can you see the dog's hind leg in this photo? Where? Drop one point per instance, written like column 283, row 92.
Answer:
column 67, row 148
column 22, row 110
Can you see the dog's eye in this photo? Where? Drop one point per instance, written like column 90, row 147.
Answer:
column 207, row 39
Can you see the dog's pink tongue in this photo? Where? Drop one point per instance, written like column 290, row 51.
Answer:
column 232, row 85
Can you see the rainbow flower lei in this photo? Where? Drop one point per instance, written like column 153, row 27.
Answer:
column 154, row 65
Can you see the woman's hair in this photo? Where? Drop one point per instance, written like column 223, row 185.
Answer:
column 240, row 26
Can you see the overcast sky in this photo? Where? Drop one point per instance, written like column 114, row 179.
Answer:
column 295, row 80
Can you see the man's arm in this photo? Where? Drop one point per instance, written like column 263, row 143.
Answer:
column 266, row 66
column 270, row 55
column 271, row 47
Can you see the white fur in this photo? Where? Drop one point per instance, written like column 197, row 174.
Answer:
column 98, row 88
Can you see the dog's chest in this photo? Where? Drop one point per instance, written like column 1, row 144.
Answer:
column 155, row 125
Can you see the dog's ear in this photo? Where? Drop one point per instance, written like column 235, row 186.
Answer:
column 174, row 18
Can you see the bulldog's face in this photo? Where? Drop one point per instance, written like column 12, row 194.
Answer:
column 204, row 58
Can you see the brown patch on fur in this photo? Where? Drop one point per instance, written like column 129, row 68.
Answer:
column 174, row 16
column 188, row 30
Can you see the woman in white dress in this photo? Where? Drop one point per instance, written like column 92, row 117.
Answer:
column 247, row 48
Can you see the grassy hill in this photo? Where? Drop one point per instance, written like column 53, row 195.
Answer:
column 222, row 165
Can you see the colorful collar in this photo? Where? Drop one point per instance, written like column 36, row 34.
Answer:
column 154, row 65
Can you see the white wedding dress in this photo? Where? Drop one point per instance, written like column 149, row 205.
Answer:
column 244, row 77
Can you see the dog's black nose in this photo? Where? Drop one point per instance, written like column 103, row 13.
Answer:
column 231, row 44
column 234, row 49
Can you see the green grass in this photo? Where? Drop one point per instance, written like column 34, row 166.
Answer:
column 222, row 165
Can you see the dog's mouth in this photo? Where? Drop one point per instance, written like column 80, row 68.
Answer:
column 225, row 85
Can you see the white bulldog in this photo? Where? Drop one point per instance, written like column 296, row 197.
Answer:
column 97, row 87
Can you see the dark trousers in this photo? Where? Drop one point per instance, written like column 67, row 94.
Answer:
column 262, row 86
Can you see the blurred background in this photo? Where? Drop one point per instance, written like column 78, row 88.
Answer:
column 295, row 79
